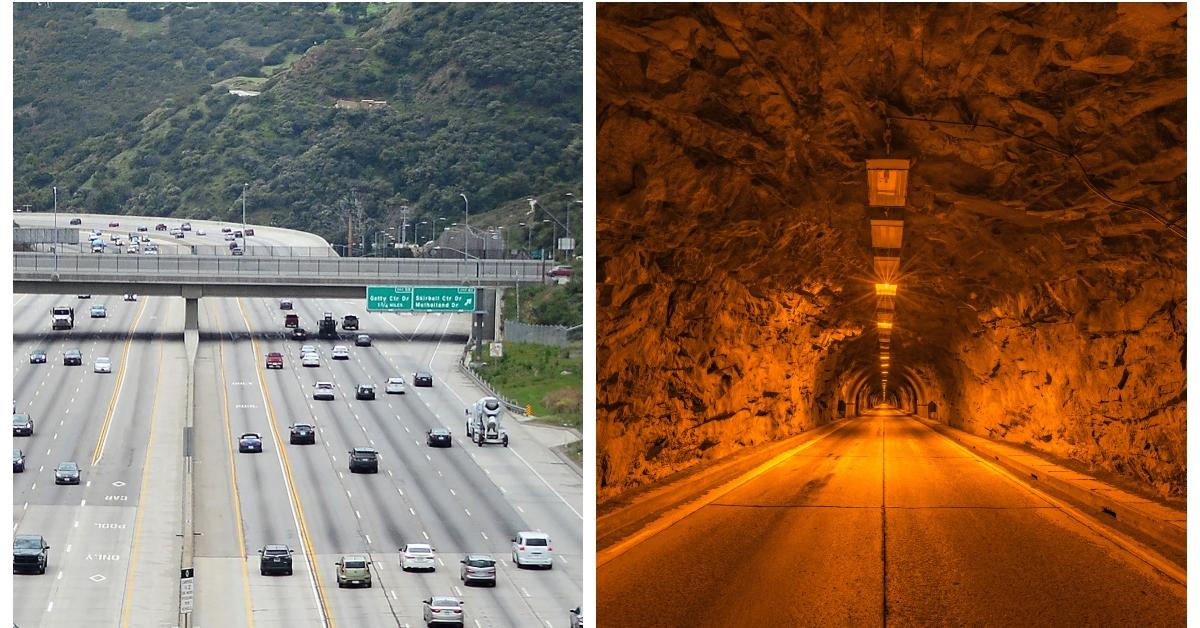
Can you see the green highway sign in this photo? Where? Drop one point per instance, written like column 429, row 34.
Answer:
column 420, row 299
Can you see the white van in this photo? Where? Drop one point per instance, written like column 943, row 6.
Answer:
column 532, row 548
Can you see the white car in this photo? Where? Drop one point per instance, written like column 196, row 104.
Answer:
column 532, row 548
column 418, row 556
column 395, row 386
column 201, row 232
column 323, row 391
column 229, row 237
column 310, row 359
column 307, row 349
column 102, row 365
column 340, row 352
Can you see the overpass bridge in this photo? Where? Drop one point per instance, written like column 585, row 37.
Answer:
column 195, row 276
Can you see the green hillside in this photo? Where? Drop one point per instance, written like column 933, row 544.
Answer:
column 126, row 108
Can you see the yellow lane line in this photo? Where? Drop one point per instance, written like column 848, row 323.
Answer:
column 237, row 497
column 141, row 508
column 679, row 513
column 112, row 403
column 287, row 470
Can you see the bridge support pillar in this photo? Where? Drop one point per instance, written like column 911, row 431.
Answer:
column 191, row 308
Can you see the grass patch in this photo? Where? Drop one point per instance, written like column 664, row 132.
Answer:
column 242, row 82
column 270, row 70
column 548, row 378
column 118, row 20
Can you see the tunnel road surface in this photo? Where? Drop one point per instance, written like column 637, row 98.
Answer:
column 883, row 522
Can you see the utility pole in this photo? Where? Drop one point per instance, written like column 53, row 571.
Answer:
column 466, row 226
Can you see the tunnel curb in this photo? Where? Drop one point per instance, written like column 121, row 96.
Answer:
column 1130, row 510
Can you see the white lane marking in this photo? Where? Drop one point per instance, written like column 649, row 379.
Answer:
column 368, row 536
column 341, row 476
column 389, row 472
column 26, row 506
column 484, row 535
column 524, row 592
column 412, row 512
column 453, row 493
column 424, row 535
column 502, row 489
column 69, row 547
column 59, row 577
column 89, row 482
column 520, row 510
column 34, row 487
column 395, row 598
column 428, row 458
column 408, row 430
column 400, row 491
column 50, row 606
column 467, row 511
column 457, row 591
column 539, row 476
column 560, row 557
column 83, row 502
column 348, row 494
column 358, row 514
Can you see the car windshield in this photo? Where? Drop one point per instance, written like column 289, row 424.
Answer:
column 491, row 404
column 414, row 549
column 68, row 466
column 20, row 419
column 27, row 543
column 536, row 542
column 481, row 562
column 250, row 436
column 446, row 601
column 102, row 360
column 302, row 428
column 355, row 564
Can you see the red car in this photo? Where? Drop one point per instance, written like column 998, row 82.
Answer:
column 114, row 224
column 291, row 320
column 274, row 360
column 560, row 271
column 226, row 229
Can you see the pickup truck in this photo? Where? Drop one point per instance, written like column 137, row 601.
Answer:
column 30, row 553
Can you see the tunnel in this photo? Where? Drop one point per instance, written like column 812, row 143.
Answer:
column 1036, row 265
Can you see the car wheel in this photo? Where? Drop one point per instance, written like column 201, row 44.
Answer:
column 550, row 566
column 262, row 572
column 289, row 571
column 368, row 585
column 42, row 570
column 516, row 561
column 341, row 585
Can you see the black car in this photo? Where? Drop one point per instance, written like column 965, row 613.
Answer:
column 250, row 443
column 30, row 553
column 437, row 437
column 299, row 334
column 143, row 228
column 77, row 221
column 362, row 340
column 22, row 425
column 37, row 357
column 303, row 434
column 18, row 461
column 364, row 392
column 364, row 460
column 350, row 322
column 66, row 473
column 72, row 357
column 423, row 379
column 275, row 559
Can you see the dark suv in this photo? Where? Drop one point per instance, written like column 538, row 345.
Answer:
column 72, row 357
column 364, row 460
column 22, row 425
column 275, row 559
column 30, row 553
column 350, row 321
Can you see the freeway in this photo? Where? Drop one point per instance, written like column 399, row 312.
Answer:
column 114, row 555
column 884, row 522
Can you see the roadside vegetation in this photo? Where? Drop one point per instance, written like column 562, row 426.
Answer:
column 550, row 379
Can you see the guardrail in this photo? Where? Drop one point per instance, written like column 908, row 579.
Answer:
column 27, row 266
column 464, row 365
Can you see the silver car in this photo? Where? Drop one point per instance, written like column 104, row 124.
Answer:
column 310, row 359
column 477, row 568
column 102, row 365
column 442, row 609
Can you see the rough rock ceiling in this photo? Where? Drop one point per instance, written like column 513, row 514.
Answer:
column 736, row 295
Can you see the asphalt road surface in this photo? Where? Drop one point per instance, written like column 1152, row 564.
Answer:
column 883, row 522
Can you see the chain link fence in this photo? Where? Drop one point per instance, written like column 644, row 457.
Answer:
column 553, row 335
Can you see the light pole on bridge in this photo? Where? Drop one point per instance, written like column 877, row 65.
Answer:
column 466, row 225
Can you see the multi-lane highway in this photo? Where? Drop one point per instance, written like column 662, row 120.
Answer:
column 884, row 522
column 115, row 553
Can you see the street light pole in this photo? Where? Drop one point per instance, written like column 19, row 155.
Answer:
column 244, row 186
column 466, row 225
column 56, row 229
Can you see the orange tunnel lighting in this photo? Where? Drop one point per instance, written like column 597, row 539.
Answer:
column 887, row 269
column 887, row 234
column 885, row 325
column 885, row 289
column 887, row 182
